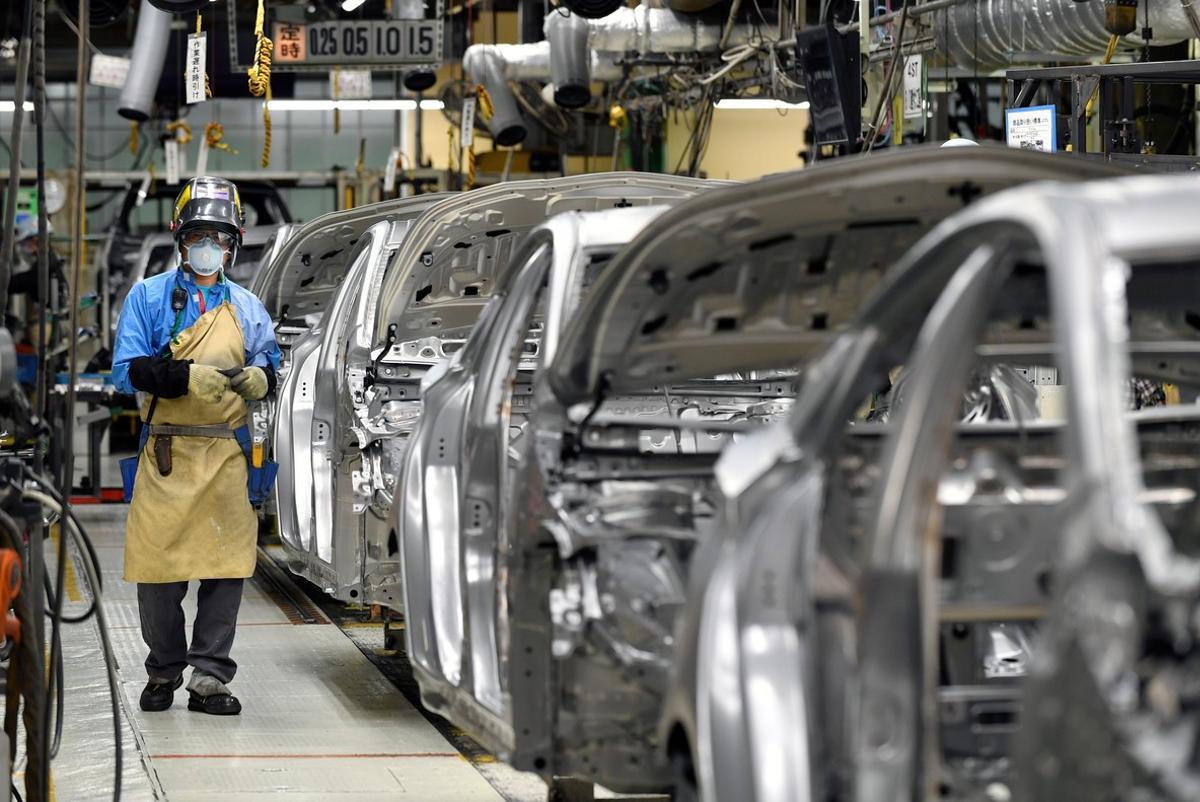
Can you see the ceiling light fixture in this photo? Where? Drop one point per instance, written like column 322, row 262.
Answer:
column 354, row 105
column 757, row 104
column 351, row 5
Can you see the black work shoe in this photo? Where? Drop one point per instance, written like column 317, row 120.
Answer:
column 158, row 696
column 219, row 704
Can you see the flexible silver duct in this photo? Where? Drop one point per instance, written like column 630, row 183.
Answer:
column 495, row 65
column 646, row 30
column 487, row 65
column 145, row 63
column 996, row 33
column 570, row 59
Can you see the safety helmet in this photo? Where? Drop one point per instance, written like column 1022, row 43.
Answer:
column 209, row 202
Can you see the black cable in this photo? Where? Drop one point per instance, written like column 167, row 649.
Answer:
column 50, row 490
column 110, row 661
column 66, row 619
column 54, row 688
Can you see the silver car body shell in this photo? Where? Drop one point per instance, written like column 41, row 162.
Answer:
column 666, row 310
column 420, row 293
column 456, row 482
column 747, row 651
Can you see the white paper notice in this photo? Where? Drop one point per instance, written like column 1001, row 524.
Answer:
column 202, row 158
column 350, row 84
column 914, row 98
column 110, row 71
column 1033, row 128
column 467, row 132
column 173, row 167
column 389, row 173
column 195, row 67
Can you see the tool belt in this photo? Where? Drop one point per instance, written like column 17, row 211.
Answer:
column 259, row 478
column 164, row 436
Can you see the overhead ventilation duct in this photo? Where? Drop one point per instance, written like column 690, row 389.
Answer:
column 494, row 66
column 180, row 6
column 570, row 59
column 592, row 9
column 997, row 33
column 145, row 63
column 576, row 43
column 659, row 30
column 487, row 66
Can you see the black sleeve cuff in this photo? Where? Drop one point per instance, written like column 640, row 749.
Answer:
column 166, row 378
column 272, row 379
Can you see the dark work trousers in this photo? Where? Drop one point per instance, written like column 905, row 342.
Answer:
column 160, row 608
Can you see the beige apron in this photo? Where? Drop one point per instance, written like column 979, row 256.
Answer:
column 196, row 522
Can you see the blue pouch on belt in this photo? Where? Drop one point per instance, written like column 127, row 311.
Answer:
column 129, row 465
column 261, row 479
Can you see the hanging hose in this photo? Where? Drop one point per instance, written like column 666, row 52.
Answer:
column 260, row 78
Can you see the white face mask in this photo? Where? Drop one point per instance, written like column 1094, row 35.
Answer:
column 205, row 257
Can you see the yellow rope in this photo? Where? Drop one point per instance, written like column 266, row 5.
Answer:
column 207, row 83
column 470, row 157
column 486, row 109
column 214, row 133
column 1109, row 52
column 260, row 78
column 180, row 125
column 133, row 139
column 337, row 112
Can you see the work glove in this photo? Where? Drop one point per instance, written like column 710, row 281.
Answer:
column 250, row 384
column 206, row 383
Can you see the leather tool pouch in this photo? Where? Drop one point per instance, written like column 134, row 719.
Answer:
column 162, row 454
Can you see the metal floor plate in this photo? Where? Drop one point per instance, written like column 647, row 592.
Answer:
column 319, row 721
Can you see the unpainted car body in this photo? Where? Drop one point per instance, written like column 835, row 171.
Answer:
column 916, row 554
column 545, row 566
column 350, row 400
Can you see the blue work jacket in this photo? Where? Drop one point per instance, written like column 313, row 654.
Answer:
column 147, row 318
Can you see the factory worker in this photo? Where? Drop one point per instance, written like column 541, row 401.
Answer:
column 199, row 348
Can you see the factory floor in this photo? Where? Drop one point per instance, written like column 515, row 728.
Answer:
column 320, row 721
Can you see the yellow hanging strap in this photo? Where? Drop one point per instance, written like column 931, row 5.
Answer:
column 260, row 78
column 207, row 83
column 483, row 104
column 1109, row 52
column 337, row 113
column 213, row 136
column 486, row 109
column 177, row 126
column 133, row 139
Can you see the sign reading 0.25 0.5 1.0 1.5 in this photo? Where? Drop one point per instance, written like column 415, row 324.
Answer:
column 358, row 42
